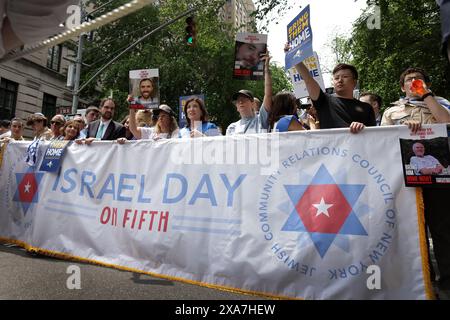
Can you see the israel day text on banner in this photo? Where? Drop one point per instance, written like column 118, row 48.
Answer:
column 314, row 215
column 300, row 38
column 313, row 65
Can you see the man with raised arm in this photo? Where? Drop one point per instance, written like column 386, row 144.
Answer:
column 251, row 122
column 420, row 106
column 338, row 110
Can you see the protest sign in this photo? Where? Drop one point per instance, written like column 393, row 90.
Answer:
column 426, row 163
column 300, row 39
column 144, row 89
column 248, row 51
column 53, row 155
column 313, row 65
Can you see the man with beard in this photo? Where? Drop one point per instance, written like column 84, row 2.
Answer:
column 105, row 128
column 148, row 94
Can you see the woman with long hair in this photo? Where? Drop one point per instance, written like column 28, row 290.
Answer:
column 70, row 130
column 283, row 116
column 126, row 123
column 166, row 126
column 197, row 121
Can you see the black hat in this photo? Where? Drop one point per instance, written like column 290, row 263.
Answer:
column 245, row 93
column 165, row 108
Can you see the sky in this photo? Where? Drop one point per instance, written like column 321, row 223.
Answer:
column 328, row 17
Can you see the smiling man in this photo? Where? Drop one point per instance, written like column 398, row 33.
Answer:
column 339, row 110
column 147, row 89
column 424, row 164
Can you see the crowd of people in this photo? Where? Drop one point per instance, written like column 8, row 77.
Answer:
column 276, row 113
column 280, row 112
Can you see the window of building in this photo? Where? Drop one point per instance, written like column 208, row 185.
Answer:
column 49, row 105
column 8, row 99
column 54, row 58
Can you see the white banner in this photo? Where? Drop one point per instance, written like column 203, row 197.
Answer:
column 315, row 215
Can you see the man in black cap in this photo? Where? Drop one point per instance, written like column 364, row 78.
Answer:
column 244, row 102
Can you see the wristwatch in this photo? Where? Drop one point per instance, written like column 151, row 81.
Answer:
column 429, row 93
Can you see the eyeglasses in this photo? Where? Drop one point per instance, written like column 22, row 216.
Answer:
column 343, row 77
column 407, row 79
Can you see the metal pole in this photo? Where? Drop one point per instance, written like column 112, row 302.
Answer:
column 76, row 84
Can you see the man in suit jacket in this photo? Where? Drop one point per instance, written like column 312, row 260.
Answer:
column 105, row 128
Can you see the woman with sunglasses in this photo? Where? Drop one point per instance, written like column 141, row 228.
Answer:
column 56, row 124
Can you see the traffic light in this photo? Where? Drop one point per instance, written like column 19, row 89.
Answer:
column 190, row 31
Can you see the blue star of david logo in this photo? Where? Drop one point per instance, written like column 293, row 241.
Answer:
column 300, row 194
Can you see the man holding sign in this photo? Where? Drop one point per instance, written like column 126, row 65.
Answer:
column 335, row 111
column 339, row 110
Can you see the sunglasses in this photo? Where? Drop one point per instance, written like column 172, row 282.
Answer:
column 56, row 122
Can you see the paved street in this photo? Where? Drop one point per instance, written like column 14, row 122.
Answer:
column 24, row 276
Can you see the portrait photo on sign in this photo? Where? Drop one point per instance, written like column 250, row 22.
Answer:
column 144, row 89
column 249, row 49
column 426, row 162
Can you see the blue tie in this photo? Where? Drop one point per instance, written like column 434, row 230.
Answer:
column 100, row 132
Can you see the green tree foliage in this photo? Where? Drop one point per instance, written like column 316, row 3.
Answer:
column 409, row 36
column 270, row 10
column 341, row 47
column 205, row 68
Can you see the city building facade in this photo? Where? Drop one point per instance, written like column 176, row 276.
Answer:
column 35, row 83
column 238, row 13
